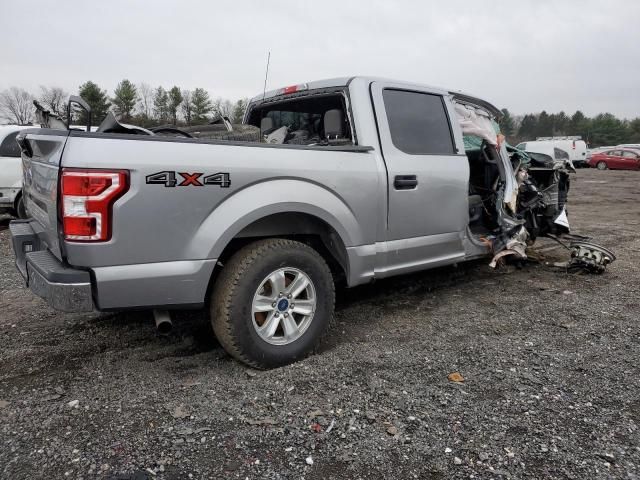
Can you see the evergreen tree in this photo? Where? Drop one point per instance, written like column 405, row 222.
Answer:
column 606, row 129
column 97, row 100
column 175, row 99
column 125, row 97
column 545, row 125
column 506, row 123
column 200, row 106
column 634, row 131
column 560, row 124
column 528, row 128
column 161, row 105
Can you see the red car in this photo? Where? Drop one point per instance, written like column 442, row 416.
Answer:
column 616, row 159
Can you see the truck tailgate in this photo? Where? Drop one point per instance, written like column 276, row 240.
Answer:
column 41, row 156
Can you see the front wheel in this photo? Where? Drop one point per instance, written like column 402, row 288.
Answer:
column 601, row 166
column 272, row 303
column 21, row 211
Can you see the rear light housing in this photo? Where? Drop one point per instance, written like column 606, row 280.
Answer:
column 87, row 198
column 293, row 89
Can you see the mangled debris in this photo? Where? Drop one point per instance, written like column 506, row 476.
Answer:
column 516, row 197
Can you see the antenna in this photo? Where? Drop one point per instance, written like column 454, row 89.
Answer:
column 266, row 74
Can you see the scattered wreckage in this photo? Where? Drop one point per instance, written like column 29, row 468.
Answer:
column 341, row 181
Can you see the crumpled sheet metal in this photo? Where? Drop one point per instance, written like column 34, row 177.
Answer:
column 516, row 245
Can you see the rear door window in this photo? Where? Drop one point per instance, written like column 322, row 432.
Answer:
column 628, row 154
column 9, row 147
column 560, row 154
column 418, row 122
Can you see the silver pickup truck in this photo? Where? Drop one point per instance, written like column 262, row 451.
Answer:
column 347, row 181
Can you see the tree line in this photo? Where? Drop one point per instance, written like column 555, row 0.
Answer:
column 603, row 129
column 140, row 104
column 149, row 106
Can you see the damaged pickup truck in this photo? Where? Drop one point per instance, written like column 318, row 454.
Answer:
column 346, row 181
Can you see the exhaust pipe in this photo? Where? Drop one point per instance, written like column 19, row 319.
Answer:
column 163, row 321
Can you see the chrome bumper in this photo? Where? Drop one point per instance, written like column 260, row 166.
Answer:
column 63, row 287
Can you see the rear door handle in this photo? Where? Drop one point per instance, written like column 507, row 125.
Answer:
column 405, row 182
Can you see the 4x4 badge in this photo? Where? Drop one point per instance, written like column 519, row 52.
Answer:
column 168, row 179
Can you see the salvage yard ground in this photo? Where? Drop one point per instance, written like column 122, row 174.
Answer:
column 550, row 362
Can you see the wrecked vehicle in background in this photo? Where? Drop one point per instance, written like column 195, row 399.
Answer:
column 339, row 181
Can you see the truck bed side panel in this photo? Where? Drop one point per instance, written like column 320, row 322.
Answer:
column 154, row 223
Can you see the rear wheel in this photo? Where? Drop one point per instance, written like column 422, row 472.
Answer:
column 601, row 165
column 272, row 302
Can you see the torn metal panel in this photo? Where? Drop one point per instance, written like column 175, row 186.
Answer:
column 515, row 246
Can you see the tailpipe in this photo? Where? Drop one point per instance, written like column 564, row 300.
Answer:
column 163, row 321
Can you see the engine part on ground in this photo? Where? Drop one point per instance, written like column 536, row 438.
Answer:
column 163, row 321
column 586, row 256
column 589, row 257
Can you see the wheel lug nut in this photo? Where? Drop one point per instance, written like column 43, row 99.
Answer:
column 280, row 294
column 286, row 314
column 277, row 314
column 289, row 296
column 273, row 304
column 293, row 305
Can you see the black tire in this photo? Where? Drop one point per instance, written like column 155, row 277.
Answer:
column 240, row 279
column 601, row 165
column 21, row 211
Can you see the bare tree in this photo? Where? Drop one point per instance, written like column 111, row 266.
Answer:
column 54, row 99
column 16, row 105
column 185, row 107
column 145, row 93
column 222, row 108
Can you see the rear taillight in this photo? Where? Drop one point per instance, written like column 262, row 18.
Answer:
column 87, row 197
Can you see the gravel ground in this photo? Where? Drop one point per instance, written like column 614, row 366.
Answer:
column 550, row 363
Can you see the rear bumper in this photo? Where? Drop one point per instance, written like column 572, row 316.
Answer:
column 64, row 288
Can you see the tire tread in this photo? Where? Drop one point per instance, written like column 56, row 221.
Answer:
column 227, row 284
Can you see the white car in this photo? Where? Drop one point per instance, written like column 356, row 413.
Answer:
column 11, row 170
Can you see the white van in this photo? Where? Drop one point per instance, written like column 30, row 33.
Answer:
column 11, row 170
column 556, row 147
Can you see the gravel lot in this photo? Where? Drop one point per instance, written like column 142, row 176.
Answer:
column 551, row 367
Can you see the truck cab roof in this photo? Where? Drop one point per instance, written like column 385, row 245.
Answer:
column 338, row 82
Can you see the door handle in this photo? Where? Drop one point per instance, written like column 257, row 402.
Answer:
column 405, row 182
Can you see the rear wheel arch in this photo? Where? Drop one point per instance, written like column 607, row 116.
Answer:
column 308, row 229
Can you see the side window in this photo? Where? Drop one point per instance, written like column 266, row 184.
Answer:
column 560, row 154
column 615, row 153
column 9, row 146
column 418, row 122
column 629, row 154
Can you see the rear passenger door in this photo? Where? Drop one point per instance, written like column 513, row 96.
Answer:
column 427, row 177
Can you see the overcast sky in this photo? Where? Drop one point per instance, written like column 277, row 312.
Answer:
column 527, row 56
